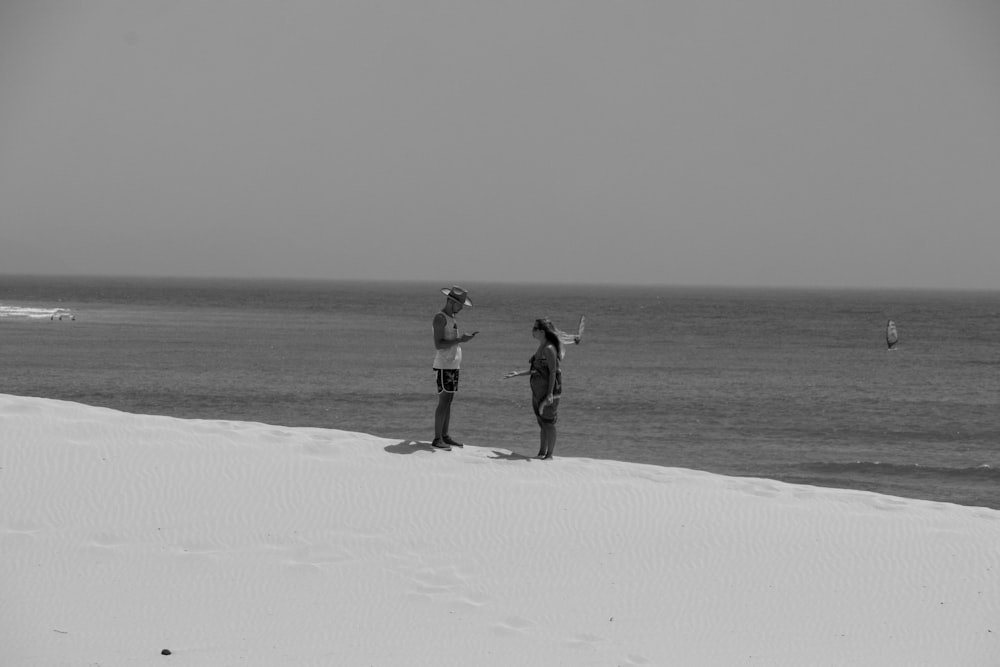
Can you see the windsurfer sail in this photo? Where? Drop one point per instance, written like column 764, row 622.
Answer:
column 891, row 337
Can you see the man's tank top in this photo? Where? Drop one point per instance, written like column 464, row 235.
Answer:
column 450, row 357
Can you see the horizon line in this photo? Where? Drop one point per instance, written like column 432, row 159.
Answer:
column 492, row 281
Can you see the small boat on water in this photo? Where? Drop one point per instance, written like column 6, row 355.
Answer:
column 891, row 335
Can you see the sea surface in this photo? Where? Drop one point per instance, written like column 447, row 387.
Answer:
column 792, row 385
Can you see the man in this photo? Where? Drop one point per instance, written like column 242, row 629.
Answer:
column 447, row 342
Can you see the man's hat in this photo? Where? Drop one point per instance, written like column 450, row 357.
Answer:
column 458, row 294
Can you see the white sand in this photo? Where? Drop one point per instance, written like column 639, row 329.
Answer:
column 234, row 543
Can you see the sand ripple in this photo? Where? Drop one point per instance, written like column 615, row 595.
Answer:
column 240, row 543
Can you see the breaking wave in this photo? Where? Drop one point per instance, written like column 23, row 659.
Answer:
column 27, row 312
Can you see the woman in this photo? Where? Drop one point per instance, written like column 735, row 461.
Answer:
column 546, row 382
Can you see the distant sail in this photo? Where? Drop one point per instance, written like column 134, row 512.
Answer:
column 891, row 337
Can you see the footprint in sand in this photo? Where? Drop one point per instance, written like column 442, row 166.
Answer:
column 18, row 532
column 804, row 494
column 475, row 599
column 431, row 587
column 106, row 541
column 469, row 602
column 513, row 625
column 313, row 558
column 449, row 585
column 760, row 489
column 197, row 550
column 585, row 641
column 888, row 504
column 278, row 435
column 22, row 527
column 321, row 450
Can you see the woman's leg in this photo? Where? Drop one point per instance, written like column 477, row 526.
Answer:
column 550, row 415
column 535, row 407
column 549, row 438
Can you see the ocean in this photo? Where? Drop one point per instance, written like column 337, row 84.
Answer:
column 791, row 385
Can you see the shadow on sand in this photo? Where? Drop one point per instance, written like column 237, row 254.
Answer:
column 411, row 446
column 509, row 456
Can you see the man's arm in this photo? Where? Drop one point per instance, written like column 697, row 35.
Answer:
column 439, row 342
column 440, row 321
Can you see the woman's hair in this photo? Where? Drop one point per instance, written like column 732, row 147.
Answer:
column 551, row 334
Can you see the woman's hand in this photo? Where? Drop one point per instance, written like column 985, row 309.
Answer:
column 549, row 399
column 513, row 374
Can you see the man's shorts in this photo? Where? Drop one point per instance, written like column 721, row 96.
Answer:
column 447, row 380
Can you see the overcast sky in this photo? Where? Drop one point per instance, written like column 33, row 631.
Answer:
column 775, row 143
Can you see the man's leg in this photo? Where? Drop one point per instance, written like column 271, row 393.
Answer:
column 442, row 416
